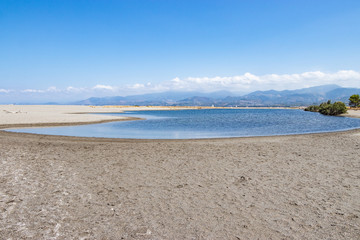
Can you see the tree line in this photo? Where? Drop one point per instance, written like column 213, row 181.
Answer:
column 336, row 108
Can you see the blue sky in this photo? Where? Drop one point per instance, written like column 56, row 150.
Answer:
column 56, row 49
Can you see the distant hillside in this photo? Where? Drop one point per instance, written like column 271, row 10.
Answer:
column 164, row 98
column 299, row 97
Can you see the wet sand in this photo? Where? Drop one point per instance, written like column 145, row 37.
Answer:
column 281, row 187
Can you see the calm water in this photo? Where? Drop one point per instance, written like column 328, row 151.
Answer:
column 213, row 123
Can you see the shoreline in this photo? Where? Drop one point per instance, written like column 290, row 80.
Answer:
column 23, row 116
column 20, row 116
column 79, row 138
column 109, row 139
column 90, row 110
column 278, row 187
column 55, row 124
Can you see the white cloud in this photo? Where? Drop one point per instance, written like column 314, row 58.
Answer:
column 32, row 91
column 214, row 83
column 68, row 90
column 251, row 82
column 136, row 86
column 247, row 82
column 104, row 87
column 71, row 89
column 50, row 89
column 240, row 83
column 4, row 90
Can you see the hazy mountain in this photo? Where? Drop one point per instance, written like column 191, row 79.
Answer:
column 299, row 97
column 317, row 90
column 197, row 101
column 342, row 94
column 164, row 98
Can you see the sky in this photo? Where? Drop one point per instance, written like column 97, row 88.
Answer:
column 61, row 50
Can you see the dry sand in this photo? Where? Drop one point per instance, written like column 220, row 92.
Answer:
column 352, row 113
column 283, row 187
column 55, row 115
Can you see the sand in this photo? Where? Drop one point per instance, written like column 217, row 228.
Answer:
column 352, row 113
column 281, row 187
column 59, row 115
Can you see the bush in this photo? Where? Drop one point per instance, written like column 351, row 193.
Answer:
column 324, row 108
column 312, row 108
column 328, row 108
column 354, row 100
column 334, row 109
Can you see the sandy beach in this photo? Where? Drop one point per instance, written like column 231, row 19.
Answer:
column 60, row 115
column 281, row 187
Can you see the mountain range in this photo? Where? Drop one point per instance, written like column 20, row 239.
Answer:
column 299, row 97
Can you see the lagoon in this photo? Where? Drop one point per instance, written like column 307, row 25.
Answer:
column 206, row 123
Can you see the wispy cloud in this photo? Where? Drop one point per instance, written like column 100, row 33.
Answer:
column 239, row 83
column 251, row 82
column 104, row 87
column 4, row 90
column 53, row 89
column 50, row 89
column 140, row 86
column 71, row 89
column 33, row 91
column 247, row 82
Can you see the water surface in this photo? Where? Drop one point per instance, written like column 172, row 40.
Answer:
column 207, row 123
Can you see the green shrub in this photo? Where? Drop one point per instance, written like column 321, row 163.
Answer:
column 328, row 108
column 334, row 109
column 354, row 100
column 312, row 108
column 324, row 108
